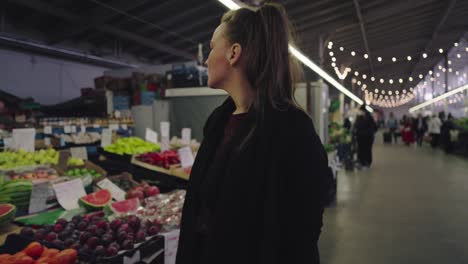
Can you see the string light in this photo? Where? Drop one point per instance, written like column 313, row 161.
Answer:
column 376, row 90
column 333, row 64
column 366, row 56
column 400, row 80
column 359, row 82
column 356, row 73
column 444, row 70
column 353, row 53
column 390, row 81
column 372, row 78
column 334, row 59
column 390, row 92
column 438, row 74
column 450, row 69
column 421, row 76
column 382, row 80
column 424, row 55
column 456, row 73
column 455, row 44
column 379, row 58
column 410, row 79
column 341, row 49
column 364, row 76
column 430, row 72
column 393, row 59
column 408, row 58
column 441, row 51
column 331, row 53
column 459, row 55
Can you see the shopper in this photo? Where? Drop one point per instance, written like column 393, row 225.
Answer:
column 408, row 132
column 434, row 130
column 364, row 129
column 420, row 128
column 347, row 124
column 256, row 189
column 392, row 125
column 445, row 133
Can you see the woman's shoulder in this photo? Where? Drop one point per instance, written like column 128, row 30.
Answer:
column 293, row 119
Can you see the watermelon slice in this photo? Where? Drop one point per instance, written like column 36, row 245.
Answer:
column 7, row 213
column 124, row 207
column 96, row 201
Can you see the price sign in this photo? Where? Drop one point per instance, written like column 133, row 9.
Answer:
column 151, row 136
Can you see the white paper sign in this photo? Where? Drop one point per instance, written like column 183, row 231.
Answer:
column 165, row 129
column 186, row 157
column 117, row 193
column 79, row 153
column 106, row 137
column 165, row 143
column 83, row 129
column 73, row 129
column 124, row 127
column 47, row 141
column 48, row 130
column 39, row 194
column 61, row 123
column 68, row 193
column 67, row 129
column 171, row 242
column 151, row 136
column 114, row 127
column 186, row 136
column 24, row 138
column 96, row 126
column 117, row 114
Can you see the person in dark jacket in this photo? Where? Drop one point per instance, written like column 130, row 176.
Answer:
column 445, row 133
column 419, row 128
column 257, row 186
column 364, row 130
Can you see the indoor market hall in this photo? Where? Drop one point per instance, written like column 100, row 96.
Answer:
column 234, row 131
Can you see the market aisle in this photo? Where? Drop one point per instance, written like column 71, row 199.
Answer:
column 410, row 207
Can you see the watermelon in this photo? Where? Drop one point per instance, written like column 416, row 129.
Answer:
column 96, row 201
column 123, row 207
column 7, row 213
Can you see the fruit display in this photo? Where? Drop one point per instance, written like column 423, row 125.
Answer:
column 125, row 207
column 131, row 146
column 41, row 172
column 93, row 235
column 338, row 134
column 35, row 253
column 176, row 143
column 81, row 138
column 124, row 181
column 143, row 191
column 77, row 172
column 96, row 201
column 7, row 213
column 164, row 159
column 14, row 159
column 462, row 123
column 164, row 209
column 16, row 192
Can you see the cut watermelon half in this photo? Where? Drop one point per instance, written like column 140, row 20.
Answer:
column 96, row 200
column 124, row 207
column 7, row 213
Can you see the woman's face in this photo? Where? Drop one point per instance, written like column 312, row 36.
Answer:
column 217, row 62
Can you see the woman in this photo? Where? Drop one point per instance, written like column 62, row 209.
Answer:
column 257, row 185
column 434, row 130
column 364, row 129
column 408, row 132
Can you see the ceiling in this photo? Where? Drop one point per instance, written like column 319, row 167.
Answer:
column 170, row 30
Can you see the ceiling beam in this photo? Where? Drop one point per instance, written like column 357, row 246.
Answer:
column 94, row 18
column 75, row 19
column 363, row 33
column 435, row 33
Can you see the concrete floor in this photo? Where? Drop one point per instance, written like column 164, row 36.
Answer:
column 411, row 207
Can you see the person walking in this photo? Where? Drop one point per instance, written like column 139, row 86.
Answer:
column 420, row 128
column 261, row 160
column 445, row 133
column 434, row 130
column 392, row 125
column 364, row 129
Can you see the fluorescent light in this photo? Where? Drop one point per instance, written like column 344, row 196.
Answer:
column 230, row 4
column 438, row 98
column 307, row 62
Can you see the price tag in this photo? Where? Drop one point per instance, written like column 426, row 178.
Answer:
column 106, row 137
column 73, row 129
column 68, row 193
column 165, row 143
column 67, row 129
column 186, row 157
column 186, row 136
column 96, row 126
column 114, row 127
column 117, row 114
column 61, row 123
column 171, row 243
column 24, row 138
column 83, row 129
column 79, row 153
column 165, row 129
column 117, row 193
column 151, row 136
column 39, row 195
column 47, row 141
column 48, row 130
column 124, row 126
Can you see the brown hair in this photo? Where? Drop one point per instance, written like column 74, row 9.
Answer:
column 264, row 34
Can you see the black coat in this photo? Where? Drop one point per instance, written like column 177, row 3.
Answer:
column 269, row 205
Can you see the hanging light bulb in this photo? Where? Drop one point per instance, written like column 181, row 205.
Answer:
column 333, row 64
column 331, row 53
column 359, row 82
column 364, row 76
column 449, row 62
column 408, row 58
column 372, row 78
column 441, row 51
column 397, row 92
column 459, row 55
column 440, row 67
column 353, row 80
column 455, row 44
column 353, row 53
column 400, row 80
column 376, row 90
column 444, row 70
column 379, row 59
column 390, row 81
column 411, row 89
column 382, row 80
column 382, row 91
column 410, row 79
column 432, row 79
column 456, row 73
column 341, row 49
column 333, row 59
column 450, row 69
column 330, row 43
column 404, row 91
column 438, row 74
column 430, row 72
column 424, row 55
column 356, row 73
column 366, row 56
column 393, row 59
column 421, row 76
column 364, row 86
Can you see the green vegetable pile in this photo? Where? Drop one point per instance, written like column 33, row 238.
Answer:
column 82, row 172
column 131, row 146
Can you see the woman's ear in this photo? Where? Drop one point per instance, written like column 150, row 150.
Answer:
column 234, row 54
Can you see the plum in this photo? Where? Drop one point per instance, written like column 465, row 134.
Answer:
column 100, row 251
column 82, row 225
column 92, row 242
column 106, row 239
column 151, row 191
column 58, row 243
column 127, row 244
column 62, row 221
column 115, row 224
column 140, row 236
column 69, row 242
column 27, row 231
column 84, row 237
column 58, row 228
column 92, row 229
column 51, row 237
column 111, row 251
column 154, row 230
column 102, row 225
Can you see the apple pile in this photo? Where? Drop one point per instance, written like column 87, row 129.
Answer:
column 164, row 159
column 143, row 191
column 35, row 253
column 94, row 235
